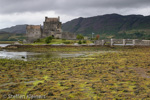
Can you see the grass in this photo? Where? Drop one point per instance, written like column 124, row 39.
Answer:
column 112, row 75
column 7, row 42
column 60, row 41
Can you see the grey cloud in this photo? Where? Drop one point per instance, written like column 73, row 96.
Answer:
column 13, row 12
column 67, row 6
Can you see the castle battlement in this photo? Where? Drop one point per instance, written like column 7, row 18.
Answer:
column 52, row 19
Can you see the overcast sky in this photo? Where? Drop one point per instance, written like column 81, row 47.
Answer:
column 16, row 12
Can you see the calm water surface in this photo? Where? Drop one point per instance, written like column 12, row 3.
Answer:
column 32, row 55
column 4, row 45
column 26, row 56
column 36, row 56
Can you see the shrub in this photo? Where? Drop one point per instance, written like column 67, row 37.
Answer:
column 48, row 39
column 97, row 37
column 80, row 37
column 38, row 40
column 84, row 41
column 80, row 42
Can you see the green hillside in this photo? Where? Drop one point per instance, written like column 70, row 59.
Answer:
column 111, row 26
column 5, row 36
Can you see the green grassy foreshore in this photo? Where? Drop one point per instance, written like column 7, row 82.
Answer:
column 123, row 74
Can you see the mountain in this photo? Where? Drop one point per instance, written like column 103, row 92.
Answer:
column 13, row 33
column 15, row 29
column 6, row 36
column 111, row 26
column 107, row 26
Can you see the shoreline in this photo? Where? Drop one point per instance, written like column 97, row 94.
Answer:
column 46, row 46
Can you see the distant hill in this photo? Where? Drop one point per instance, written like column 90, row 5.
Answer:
column 111, row 26
column 15, row 29
column 108, row 26
column 13, row 33
column 6, row 36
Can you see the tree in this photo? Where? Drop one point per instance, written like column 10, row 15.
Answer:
column 80, row 36
column 38, row 40
column 48, row 39
column 80, row 42
column 97, row 37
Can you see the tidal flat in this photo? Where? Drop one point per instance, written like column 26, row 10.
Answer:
column 106, row 73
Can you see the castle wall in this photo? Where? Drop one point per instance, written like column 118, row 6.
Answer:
column 33, row 32
column 68, row 35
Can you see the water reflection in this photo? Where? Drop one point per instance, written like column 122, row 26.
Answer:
column 26, row 56
column 17, row 55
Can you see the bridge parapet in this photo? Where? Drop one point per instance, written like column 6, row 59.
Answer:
column 123, row 42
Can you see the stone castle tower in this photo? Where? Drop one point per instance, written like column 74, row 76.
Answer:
column 52, row 27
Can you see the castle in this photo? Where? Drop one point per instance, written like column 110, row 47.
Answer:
column 52, row 27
